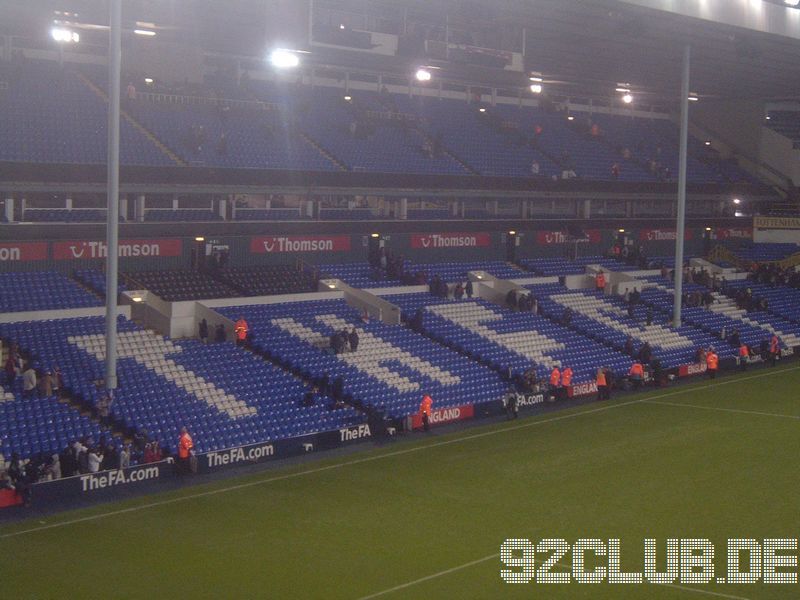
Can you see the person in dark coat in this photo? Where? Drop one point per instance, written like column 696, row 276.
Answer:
column 353, row 337
column 469, row 289
column 220, row 335
column 203, row 331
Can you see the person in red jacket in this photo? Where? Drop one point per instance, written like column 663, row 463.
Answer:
column 566, row 381
column 185, row 450
column 744, row 356
column 774, row 349
column 600, row 281
column 555, row 383
column 425, row 411
column 241, row 329
column 636, row 374
column 712, row 363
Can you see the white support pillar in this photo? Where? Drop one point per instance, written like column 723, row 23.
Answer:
column 138, row 208
column 123, row 206
column 402, row 213
column 22, row 202
column 9, row 208
column 175, row 202
column 68, row 203
column 463, row 208
column 495, row 208
column 223, row 207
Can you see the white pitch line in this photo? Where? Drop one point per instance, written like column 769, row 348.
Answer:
column 723, row 409
column 478, row 561
column 375, row 457
column 402, row 586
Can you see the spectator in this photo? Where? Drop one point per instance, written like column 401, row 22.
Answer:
column 110, row 458
column 535, row 168
column 69, row 465
column 220, row 336
column 744, row 356
column 566, row 381
column 94, row 460
column 602, row 387
column 58, row 381
column 125, row 457
column 649, row 316
column 468, row 288
column 203, row 331
column 458, row 291
column 615, row 170
column 104, row 403
column 353, row 337
column 308, row 397
column 46, row 385
column 774, row 349
column 28, row 381
column 10, row 370
column 512, row 410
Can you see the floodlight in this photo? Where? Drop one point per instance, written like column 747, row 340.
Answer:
column 199, row 238
column 627, row 98
column 284, row 59
column 348, row 98
column 144, row 32
column 707, row 142
column 375, row 235
column 136, row 298
column 708, row 228
column 148, row 80
column 512, row 232
column 570, row 118
column 423, row 75
column 61, row 34
column 536, row 88
column 737, row 201
column 481, row 109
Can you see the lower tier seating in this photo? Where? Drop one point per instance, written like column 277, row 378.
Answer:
column 42, row 290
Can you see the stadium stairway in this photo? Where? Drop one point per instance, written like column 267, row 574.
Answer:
column 340, row 164
column 166, row 150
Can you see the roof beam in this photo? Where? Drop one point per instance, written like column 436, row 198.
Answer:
column 756, row 15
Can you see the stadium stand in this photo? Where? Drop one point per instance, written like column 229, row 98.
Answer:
column 180, row 215
column 175, row 286
column 391, row 369
column 267, row 280
column 95, row 280
column 42, row 290
column 226, row 395
column 504, row 339
column 268, row 214
column 63, row 215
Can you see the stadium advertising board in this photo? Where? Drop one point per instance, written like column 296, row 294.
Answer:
column 582, row 389
column 693, row 369
column 739, row 233
column 23, row 251
column 101, row 484
column 440, row 416
column 431, row 241
column 547, row 238
column 776, row 222
column 662, row 235
column 86, row 249
column 277, row 244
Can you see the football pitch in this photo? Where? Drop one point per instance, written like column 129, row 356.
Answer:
column 426, row 517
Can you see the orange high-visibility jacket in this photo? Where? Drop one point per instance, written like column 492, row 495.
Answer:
column 425, row 406
column 185, row 445
column 601, row 379
column 743, row 351
column 566, row 377
column 241, row 329
column 773, row 344
column 712, row 360
column 601, row 281
column 636, row 370
column 555, row 377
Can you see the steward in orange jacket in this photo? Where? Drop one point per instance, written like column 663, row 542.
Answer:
column 425, row 411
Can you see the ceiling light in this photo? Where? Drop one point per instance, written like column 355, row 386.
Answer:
column 627, row 98
column 570, row 118
column 348, row 98
column 621, row 230
column 708, row 228
column 767, row 117
column 512, row 232
column 737, row 201
column 423, row 75
column 536, row 88
column 144, row 32
column 375, row 235
column 481, row 109
column 136, row 298
column 707, row 142
column 622, row 90
column 536, row 79
column 199, row 238
column 284, row 59
column 148, row 80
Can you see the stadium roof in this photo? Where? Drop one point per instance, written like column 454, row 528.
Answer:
column 582, row 48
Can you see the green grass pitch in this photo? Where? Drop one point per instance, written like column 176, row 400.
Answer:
column 425, row 518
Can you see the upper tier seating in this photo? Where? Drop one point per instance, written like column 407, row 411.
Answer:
column 176, row 286
column 48, row 115
column 266, row 280
column 506, row 339
column 428, row 214
column 346, row 214
column 358, row 275
column 180, row 215
column 225, row 395
column 42, row 290
column 549, row 267
column 63, row 215
column 786, row 122
column 766, row 252
column 392, row 368
column 268, row 214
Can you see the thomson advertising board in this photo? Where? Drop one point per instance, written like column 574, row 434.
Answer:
column 280, row 244
column 94, row 249
column 23, row 251
column 433, row 241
